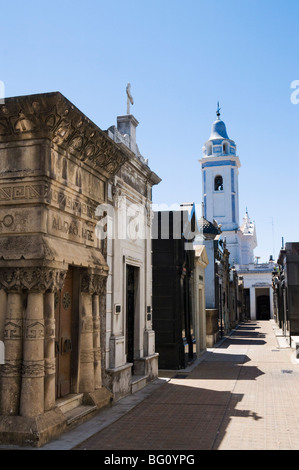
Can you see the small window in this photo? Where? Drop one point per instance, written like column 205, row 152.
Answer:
column 218, row 183
column 225, row 148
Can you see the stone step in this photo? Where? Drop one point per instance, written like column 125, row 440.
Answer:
column 78, row 413
column 70, row 402
column 137, row 382
column 73, row 408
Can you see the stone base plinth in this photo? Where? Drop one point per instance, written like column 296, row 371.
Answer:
column 147, row 366
column 119, row 381
column 32, row 432
column 100, row 398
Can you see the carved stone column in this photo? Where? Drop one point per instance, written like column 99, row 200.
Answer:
column 49, row 315
column 49, row 311
column 90, row 356
column 11, row 370
column 29, row 340
column 33, row 367
column 86, row 382
column 99, row 282
column 96, row 342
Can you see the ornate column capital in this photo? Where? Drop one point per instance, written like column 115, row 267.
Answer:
column 93, row 283
column 40, row 279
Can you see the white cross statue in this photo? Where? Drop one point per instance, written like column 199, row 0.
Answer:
column 130, row 97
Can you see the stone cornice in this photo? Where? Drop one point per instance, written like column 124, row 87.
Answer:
column 143, row 169
column 52, row 116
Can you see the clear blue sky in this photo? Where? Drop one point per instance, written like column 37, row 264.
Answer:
column 180, row 57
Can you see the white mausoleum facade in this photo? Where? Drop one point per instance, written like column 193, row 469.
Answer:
column 131, row 360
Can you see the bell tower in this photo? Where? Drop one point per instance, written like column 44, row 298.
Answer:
column 220, row 170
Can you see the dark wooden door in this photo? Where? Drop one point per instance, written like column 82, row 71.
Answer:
column 263, row 307
column 130, row 313
column 63, row 318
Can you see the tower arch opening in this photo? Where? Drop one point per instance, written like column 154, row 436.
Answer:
column 209, row 148
column 218, row 183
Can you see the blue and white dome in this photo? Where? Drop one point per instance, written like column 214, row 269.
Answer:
column 218, row 130
column 219, row 144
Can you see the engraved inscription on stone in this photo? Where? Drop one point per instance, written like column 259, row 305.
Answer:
column 71, row 229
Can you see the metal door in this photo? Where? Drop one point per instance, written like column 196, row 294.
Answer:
column 63, row 343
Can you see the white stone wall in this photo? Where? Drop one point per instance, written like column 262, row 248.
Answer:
column 131, row 245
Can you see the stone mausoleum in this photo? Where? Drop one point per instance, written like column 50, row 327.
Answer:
column 55, row 167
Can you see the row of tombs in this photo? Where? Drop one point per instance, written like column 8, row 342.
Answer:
column 89, row 309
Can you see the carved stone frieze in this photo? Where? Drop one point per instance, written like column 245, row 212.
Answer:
column 52, row 116
column 31, row 278
column 20, row 193
column 23, row 191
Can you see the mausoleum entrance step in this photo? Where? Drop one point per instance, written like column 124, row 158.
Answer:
column 78, row 413
column 73, row 408
column 138, row 382
column 69, row 402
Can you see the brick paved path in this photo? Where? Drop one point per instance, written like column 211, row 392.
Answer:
column 243, row 395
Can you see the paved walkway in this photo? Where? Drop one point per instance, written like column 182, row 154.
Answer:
column 241, row 395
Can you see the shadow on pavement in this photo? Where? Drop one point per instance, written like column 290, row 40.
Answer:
column 190, row 412
column 175, row 417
